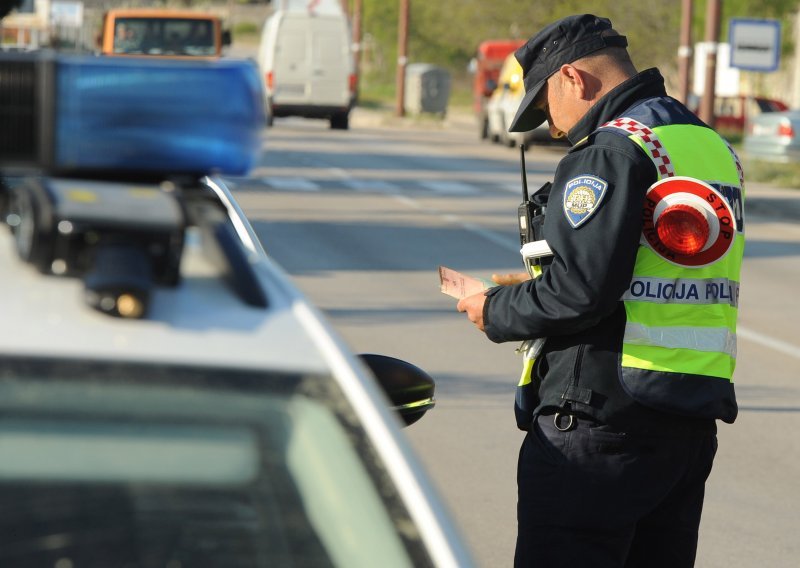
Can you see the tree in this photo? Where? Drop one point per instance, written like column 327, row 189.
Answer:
column 7, row 5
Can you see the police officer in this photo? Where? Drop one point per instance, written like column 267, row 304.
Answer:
column 638, row 309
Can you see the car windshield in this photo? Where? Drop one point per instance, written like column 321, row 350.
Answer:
column 107, row 464
column 164, row 36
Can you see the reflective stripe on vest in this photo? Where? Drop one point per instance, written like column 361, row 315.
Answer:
column 682, row 320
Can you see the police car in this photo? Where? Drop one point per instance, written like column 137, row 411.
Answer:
column 167, row 396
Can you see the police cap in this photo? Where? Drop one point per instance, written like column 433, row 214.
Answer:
column 564, row 41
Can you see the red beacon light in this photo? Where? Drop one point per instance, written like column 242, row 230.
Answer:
column 683, row 228
column 687, row 222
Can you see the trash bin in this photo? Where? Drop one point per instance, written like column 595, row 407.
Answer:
column 427, row 89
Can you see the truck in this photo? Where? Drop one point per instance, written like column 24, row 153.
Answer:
column 177, row 34
column 486, row 67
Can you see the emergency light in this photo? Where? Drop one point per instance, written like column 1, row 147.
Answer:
column 72, row 114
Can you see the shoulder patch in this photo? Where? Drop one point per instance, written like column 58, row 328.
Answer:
column 582, row 196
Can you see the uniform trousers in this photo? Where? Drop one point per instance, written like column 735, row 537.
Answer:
column 598, row 497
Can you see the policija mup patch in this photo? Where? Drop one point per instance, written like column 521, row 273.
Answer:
column 582, row 197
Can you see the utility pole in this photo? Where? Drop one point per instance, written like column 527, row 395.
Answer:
column 685, row 50
column 402, row 56
column 712, row 35
column 796, row 63
column 357, row 9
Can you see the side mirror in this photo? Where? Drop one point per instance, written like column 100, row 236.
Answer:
column 409, row 388
column 227, row 39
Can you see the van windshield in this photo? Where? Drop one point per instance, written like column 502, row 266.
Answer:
column 164, row 36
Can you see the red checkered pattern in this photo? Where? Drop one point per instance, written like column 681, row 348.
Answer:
column 651, row 142
column 736, row 161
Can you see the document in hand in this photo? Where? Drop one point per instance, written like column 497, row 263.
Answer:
column 459, row 285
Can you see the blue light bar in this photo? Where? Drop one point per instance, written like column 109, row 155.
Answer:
column 157, row 116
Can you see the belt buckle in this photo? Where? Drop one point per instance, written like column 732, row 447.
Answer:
column 558, row 422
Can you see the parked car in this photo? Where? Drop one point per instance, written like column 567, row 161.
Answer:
column 774, row 136
column 485, row 67
column 733, row 113
column 168, row 397
column 503, row 106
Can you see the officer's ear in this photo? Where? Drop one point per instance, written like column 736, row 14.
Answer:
column 573, row 80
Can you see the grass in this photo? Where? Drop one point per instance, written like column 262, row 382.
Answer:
column 246, row 32
column 773, row 173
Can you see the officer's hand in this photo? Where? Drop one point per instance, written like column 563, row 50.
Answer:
column 510, row 279
column 473, row 306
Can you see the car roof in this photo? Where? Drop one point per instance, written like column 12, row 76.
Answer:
column 201, row 321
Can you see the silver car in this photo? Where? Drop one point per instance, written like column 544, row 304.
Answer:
column 774, row 136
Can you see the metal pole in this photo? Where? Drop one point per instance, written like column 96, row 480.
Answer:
column 712, row 35
column 402, row 56
column 357, row 9
column 796, row 63
column 685, row 50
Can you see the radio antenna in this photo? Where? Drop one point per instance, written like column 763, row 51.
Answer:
column 524, row 174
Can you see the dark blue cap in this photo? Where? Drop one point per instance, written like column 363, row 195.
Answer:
column 564, row 41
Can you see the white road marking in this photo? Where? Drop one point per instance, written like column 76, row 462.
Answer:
column 769, row 342
column 370, row 185
column 291, row 184
column 444, row 186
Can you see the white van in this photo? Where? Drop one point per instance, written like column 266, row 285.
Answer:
column 307, row 62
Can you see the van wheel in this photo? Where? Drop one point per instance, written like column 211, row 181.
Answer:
column 340, row 121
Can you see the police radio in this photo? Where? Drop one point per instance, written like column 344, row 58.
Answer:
column 530, row 216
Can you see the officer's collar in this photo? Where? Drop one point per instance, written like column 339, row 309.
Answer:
column 648, row 83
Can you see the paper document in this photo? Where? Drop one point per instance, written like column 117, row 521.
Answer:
column 536, row 249
column 459, row 285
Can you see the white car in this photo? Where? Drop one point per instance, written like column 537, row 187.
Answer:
column 503, row 105
column 203, row 417
column 167, row 396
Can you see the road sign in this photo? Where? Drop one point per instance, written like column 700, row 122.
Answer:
column 755, row 44
column 66, row 13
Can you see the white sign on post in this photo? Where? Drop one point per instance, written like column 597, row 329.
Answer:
column 66, row 13
column 755, row 44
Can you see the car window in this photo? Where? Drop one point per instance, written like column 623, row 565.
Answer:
column 119, row 464
column 727, row 106
column 174, row 36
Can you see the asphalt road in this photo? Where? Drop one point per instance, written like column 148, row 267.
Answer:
column 362, row 219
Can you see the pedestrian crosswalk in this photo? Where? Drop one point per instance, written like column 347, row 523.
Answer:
column 360, row 185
